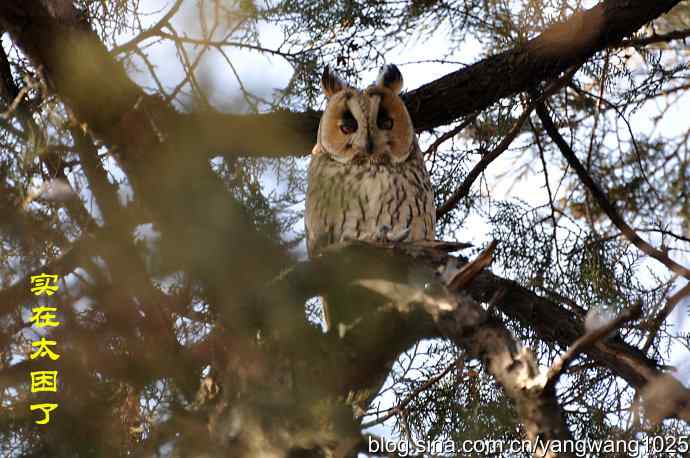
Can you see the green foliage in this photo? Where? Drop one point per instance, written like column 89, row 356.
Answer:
column 624, row 113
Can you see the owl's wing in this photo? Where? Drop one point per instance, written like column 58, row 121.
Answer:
column 314, row 244
column 317, row 238
column 317, row 228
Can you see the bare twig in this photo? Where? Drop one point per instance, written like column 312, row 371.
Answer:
column 657, row 38
column 561, row 364
column 607, row 207
column 228, row 43
column 483, row 163
column 448, row 135
column 654, row 323
column 15, row 103
column 458, row 362
column 488, row 158
column 152, row 32
column 190, row 70
column 465, row 275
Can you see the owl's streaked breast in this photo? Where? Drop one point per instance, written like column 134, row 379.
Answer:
column 354, row 200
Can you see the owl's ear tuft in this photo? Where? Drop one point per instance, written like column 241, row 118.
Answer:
column 390, row 77
column 331, row 83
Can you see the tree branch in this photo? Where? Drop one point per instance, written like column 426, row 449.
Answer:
column 149, row 33
column 103, row 83
column 553, row 323
column 602, row 199
column 657, row 38
column 514, row 131
column 140, row 128
column 465, row 91
column 483, row 163
column 396, row 409
column 399, row 313
column 408, row 313
column 561, row 364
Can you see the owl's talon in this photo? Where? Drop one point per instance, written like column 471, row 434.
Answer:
column 398, row 236
column 382, row 233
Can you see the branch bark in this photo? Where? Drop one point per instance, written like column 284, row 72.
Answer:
column 457, row 94
column 115, row 107
column 180, row 194
column 147, row 133
column 397, row 313
column 553, row 323
column 657, row 38
column 406, row 313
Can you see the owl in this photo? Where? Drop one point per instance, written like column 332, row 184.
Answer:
column 366, row 178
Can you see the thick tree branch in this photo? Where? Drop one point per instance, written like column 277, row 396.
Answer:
column 170, row 178
column 410, row 312
column 553, row 323
column 459, row 93
column 102, row 93
column 559, row 47
column 397, row 313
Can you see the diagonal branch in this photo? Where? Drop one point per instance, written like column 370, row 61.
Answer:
column 483, row 163
column 149, row 33
column 488, row 158
column 561, row 364
column 435, row 104
column 138, row 128
column 554, row 323
column 460, row 93
column 657, row 38
column 400, row 407
column 542, row 58
column 602, row 199
column 403, row 313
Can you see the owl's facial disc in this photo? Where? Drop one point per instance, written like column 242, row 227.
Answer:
column 348, row 123
column 383, row 120
column 391, row 123
column 369, row 126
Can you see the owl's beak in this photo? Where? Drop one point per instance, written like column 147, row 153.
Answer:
column 370, row 145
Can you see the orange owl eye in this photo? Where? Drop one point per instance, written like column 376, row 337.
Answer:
column 383, row 121
column 348, row 124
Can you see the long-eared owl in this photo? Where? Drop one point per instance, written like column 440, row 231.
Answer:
column 366, row 178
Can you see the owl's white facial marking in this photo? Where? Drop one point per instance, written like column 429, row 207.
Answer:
column 365, row 126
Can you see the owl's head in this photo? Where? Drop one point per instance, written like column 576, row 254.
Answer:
column 370, row 125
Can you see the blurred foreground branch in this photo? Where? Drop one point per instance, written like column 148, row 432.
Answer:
column 404, row 294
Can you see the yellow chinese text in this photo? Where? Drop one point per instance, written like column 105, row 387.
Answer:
column 44, row 284
column 43, row 381
column 43, row 350
column 46, row 408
